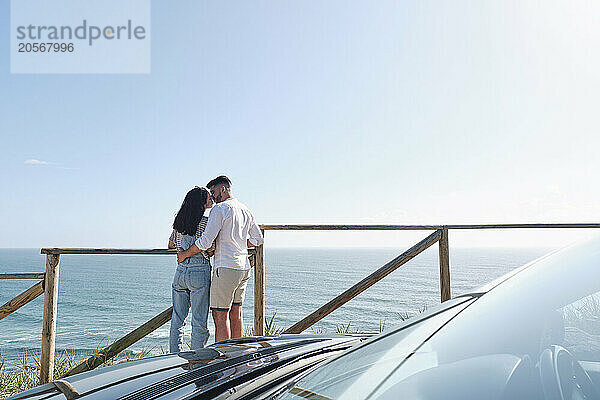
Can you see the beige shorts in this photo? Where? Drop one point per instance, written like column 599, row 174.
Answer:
column 228, row 287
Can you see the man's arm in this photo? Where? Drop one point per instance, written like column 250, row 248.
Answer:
column 213, row 226
column 182, row 255
column 256, row 237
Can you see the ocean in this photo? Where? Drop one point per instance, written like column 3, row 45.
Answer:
column 103, row 297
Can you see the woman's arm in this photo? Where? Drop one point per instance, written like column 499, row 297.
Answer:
column 172, row 240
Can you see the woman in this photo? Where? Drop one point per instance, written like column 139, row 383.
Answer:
column 191, row 283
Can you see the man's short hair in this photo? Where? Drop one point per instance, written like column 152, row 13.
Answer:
column 221, row 180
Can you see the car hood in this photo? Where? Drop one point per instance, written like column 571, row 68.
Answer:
column 179, row 375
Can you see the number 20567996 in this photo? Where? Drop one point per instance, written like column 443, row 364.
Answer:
column 46, row 47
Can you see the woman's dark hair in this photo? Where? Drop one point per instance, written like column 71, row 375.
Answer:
column 192, row 209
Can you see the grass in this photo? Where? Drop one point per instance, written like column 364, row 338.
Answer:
column 25, row 373
column 346, row 328
column 270, row 328
column 403, row 316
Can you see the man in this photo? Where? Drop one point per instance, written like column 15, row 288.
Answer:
column 233, row 229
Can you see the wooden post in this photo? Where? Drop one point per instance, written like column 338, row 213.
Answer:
column 49, row 319
column 259, row 290
column 444, row 248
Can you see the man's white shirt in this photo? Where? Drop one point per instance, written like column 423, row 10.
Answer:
column 230, row 224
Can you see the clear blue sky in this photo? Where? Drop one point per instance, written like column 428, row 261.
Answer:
column 320, row 112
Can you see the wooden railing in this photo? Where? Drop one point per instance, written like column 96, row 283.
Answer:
column 48, row 285
column 440, row 235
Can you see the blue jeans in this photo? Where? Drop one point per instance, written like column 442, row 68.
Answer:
column 191, row 286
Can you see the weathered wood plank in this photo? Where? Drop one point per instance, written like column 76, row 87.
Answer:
column 271, row 227
column 444, row 254
column 364, row 284
column 348, row 227
column 259, row 290
column 525, row 226
column 106, row 251
column 23, row 275
column 22, row 299
column 118, row 346
column 49, row 319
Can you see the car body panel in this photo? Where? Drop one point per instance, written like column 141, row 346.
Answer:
column 156, row 377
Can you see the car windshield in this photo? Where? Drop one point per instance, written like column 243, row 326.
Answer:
column 537, row 335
